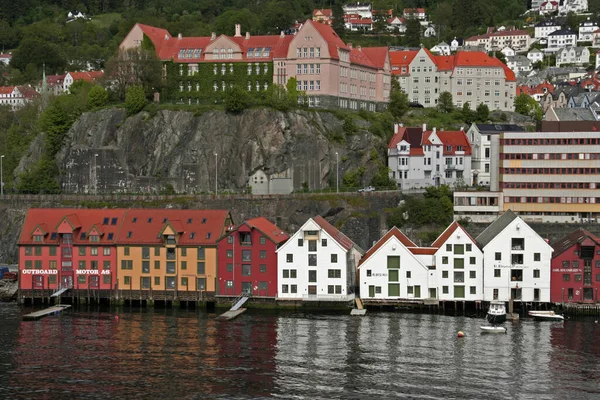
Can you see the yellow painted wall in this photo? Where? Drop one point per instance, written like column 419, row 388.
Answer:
column 135, row 274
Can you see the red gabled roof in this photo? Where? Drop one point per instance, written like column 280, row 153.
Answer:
column 196, row 227
column 444, row 63
column 578, row 236
column 270, row 230
column 333, row 40
column 81, row 219
column 7, row 89
column 55, row 79
column 394, row 232
column 88, row 76
column 439, row 242
column 401, row 59
column 423, row 250
column 157, row 35
column 332, row 231
column 373, row 57
column 326, row 12
column 451, row 138
column 28, row 92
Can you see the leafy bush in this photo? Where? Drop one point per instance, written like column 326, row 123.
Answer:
column 135, row 99
column 236, row 100
column 97, row 97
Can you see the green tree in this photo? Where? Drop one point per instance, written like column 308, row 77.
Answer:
column 467, row 114
column 338, row 19
column 277, row 98
column 135, row 99
column 134, row 67
column 97, row 97
column 225, row 22
column 236, row 100
column 382, row 179
column 526, row 105
column 38, row 52
column 482, row 112
column 413, row 32
column 398, row 100
column 445, row 102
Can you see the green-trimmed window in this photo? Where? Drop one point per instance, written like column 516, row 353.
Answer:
column 459, row 263
column 393, row 262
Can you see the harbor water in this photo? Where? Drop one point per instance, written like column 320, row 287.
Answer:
column 172, row 353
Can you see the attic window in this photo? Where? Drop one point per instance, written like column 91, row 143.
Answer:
column 105, row 221
column 150, row 220
column 129, row 234
column 53, row 236
column 114, row 221
column 164, row 220
column 192, row 234
column 189, row 220
column 94, row 238
column 448, row 148
column 110, row 236
column 134, row 220
column 208, row 235
column 38, row 238
column 82, row 237
column 203, row 220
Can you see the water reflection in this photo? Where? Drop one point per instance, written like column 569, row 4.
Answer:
column 174, row 353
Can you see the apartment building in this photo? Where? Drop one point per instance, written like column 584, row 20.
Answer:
column 552, row 176
column 517, row 39
column 573, row 55
column 470, row 76
column 332, row 73
column 544, row 28
column 420, row 158
column 561, row 38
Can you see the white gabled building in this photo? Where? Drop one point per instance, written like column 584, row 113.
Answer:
column 317, row 263
column 396, row 269
column 586, row 30
column 544, row 28
column 573, row 55
column 458, row 265
column 516, row 261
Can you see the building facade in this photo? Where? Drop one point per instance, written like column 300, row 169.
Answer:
column 576, row 268
column 573, row 55
column 419, row 158
column 248, row 260
column 70, row 249
column 518, row 40
column 470, row 76
column 458, row 266
column 330, row 72
column 516, row 261
column 561, row 38
column 317, row 263
column 544, row 28
column 169, row 254
column 395, row 268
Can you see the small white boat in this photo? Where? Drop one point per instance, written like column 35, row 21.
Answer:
column 546, row 316
column 492, row 329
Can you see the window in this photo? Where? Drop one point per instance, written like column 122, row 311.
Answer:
column 536, row 273
column 445, row 289
column 53, row 251
column 246, row 255
column 156, row 264
column 146, row 266
column 229, row 253
column 300, row 242
column 536, row 257
column 469, row 247
column 498, row 256
column 518, row 243
column 497, row 273
column 312, row 260
column 444, row 274
column 312, row 245
column 126, row 251
column 566, row 277
column 145, row 252
column 459, row 249
column 472, row 290
column 246, row 269
column 170, row 267
column 334, row 273
column 408, row 274
column 294, row 288
column 284, row 288
column 577, row 277
column 105, row 251
column 368, row 272
column 263, row 268
column 459, row 263
column 201, row 254
column 286, row 273
column 263, row 254
column 459, row 277
column 200, row 268
column 312, row 276
column 444, row 260
column 448, row 247
column 183, row 252
column 105, row 265
column 472, row 260
column 170, row 282
column 81, row 251
column 334, row 258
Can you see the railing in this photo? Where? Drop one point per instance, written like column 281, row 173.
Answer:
column 328, row 297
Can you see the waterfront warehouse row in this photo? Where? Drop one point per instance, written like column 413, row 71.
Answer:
column 199, row 255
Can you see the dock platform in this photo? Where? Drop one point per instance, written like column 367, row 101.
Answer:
column 359, row 310
column 45, row 312
column 231, row 314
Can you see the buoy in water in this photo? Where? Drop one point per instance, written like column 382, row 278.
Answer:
column 461, row 334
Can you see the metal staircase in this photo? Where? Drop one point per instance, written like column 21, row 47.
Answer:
column 239, row 301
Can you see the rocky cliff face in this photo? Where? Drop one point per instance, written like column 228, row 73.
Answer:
column 106, row 152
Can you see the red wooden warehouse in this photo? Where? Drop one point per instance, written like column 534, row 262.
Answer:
column 247, row 258
column 576, row 268
column 69, row 248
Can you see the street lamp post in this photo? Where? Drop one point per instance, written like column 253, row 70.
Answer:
column 96, row 174
column 1, row 176
column 337, row 172
column 216, row 174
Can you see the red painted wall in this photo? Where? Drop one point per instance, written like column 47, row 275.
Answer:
column 270, row 276
column 559, row 288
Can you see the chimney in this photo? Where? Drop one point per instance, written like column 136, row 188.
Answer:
column 424, row 127
column 281, row 34
column 166, row 37
column 349, row 45
column 179, row 36
column 434, row 130
column 247, row 35
column 359, row 48
column 238, row 30
column 213, row 36
column 396, row 128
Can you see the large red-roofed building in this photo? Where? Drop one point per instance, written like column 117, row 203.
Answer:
column 332, row 73
column 470, row 76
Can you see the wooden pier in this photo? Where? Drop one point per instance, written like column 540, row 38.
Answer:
column 231, row 314
column 359, row 310
column 45, row 312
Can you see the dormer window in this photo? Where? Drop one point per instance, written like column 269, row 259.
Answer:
column 189, row 221
column 150, row 220
column 94, row 238
column 448, row 148
column 170, row 239
column 82, row 237
column 105, row 221
column 38, row 238
column 403, row 148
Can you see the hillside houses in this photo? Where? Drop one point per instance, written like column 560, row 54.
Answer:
column 573, row 56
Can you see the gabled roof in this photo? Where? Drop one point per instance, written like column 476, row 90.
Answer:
column 335, row 234
column 334, row 42
column 269, row 229
column 546, row 23
column 439, row 242
column 562, row 32
column 578, row 236
column 82, row 220
column 499, row 128
column 411, row 135
column 401, row 58
column 7, row 89
column 195, row 227
column 394, row 232
column 326, row 12
column 495, row 228
column 373, row 57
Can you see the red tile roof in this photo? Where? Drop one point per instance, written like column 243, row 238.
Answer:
column 326, row 12
column 88, row 76
column 578, row 236
column 373, row 57
column 401, row 59
column 55, row 79
column 423, row 250
column 198, row 227
column 439, row 242
column 411, row 135
column 394, row 232
column 28, row 92
column 452, row 138
column 267, row 228
column 107, row 220
column 333, row 40
column 332, row 231
column 7, row 89
column 417, row 138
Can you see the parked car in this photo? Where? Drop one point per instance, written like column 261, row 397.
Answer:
column 367, row 189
